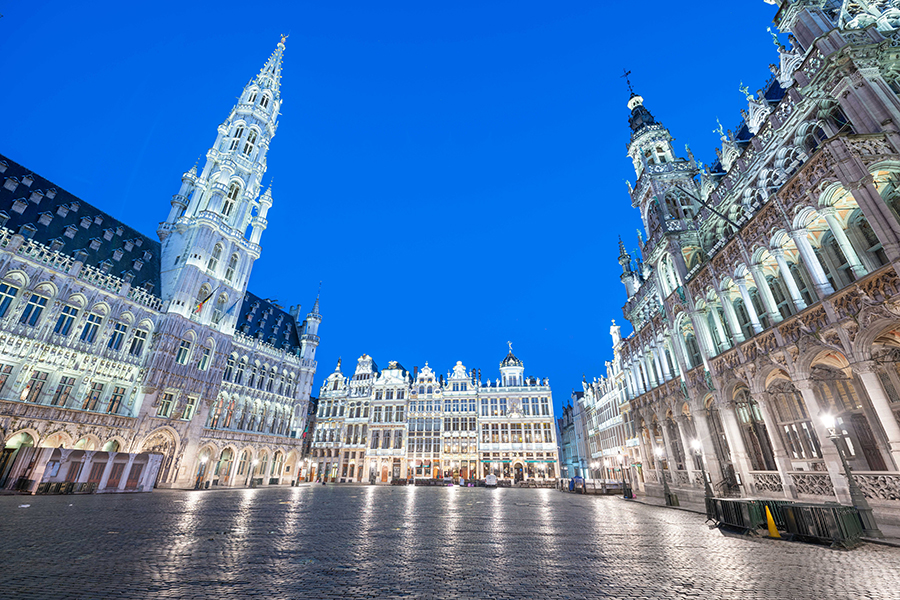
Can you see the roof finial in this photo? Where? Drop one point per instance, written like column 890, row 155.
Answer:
column 510, row 346
column 625, row 74
column 284, row 37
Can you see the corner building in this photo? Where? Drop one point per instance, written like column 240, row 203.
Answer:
column 113, row 342
column 425, row 426
column 768, row 298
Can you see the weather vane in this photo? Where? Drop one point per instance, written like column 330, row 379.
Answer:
column 625, row 74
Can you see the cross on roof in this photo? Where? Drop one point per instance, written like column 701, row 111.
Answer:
column 625, row 74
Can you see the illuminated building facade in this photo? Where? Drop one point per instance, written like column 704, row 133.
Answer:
column 113, row 342
column 768, row 298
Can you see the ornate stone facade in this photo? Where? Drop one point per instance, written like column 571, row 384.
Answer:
column 768, row 296
column 111, row 341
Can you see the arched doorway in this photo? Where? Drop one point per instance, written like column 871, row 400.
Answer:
column 384, row 473
column 9, row 453
column 518, row 472
column 163, row 443
column 201, row 468
column 223, row 469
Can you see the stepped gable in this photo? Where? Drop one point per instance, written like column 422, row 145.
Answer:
column 263, row 320
column 48, row 214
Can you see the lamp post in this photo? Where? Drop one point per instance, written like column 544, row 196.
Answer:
column 626, row 492
column 698, row 449
column 857, row 497
column 671, row 499
column 250, row 473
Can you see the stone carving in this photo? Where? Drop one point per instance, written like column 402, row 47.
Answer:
column 880, row 487
column 767, row 482
column 813, row 484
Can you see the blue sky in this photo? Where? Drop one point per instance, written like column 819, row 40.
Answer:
column 454, row 173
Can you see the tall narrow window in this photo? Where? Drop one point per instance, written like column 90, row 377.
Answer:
column 204, row 358
column 66, row 318
column 231, row 199
column 238, row 133
column 264, row 101
column 115, row 401
column 249, row 144
column 7, row 294
column 184, row 350
column 165, row 405
column 213, row 262
column 137, row 342
column 115, row 340
column 63, row 390
column 229, row 369
column 33, row 310
column 252, row 97
column 91, row 326
column 35, row 386
column 232, row 267
column 93, row 397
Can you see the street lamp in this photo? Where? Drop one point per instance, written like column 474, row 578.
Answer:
column 250, row 473
column 626, row 491
column 698, row 449
column 671, row 499
column 857, row 497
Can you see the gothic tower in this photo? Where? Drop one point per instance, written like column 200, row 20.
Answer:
column 211, row 236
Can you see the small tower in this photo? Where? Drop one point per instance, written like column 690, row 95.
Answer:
column 627, row 276
column 309, row 341
column 511, row 369
column 207, row 254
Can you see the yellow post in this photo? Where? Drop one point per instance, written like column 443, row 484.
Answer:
column 773, row 531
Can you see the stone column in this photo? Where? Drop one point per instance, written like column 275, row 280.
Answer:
column 659, row 369
column 708, row 347
column 748, row 305
column 736, row 333
column 710, row 458
column 844, row 242
column 788, row 278
column 663, row 359
column 782, row 459
column 104, row 479
column 829, row 451
column 813, row 266
column 720, row 329
column 686, row 448
column 739, row 454
column 125, row 472
column 765, row 292
column 882, row 406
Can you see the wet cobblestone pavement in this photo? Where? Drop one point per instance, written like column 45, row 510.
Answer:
column 368, row 542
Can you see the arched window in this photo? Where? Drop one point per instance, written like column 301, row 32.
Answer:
column 215, row 414
column 250, row 143
column 252, row 97
column 205, row 358
column 234, row 190
column 214, row 258
column 239, row 374
column 219, row 310
column 229, row 369
column 794, row 423
column 229, row 414
column 693, row 350
column 753, row 431
column 264, row 101
column 238, row 134
column 232, row 267
column 203, row 295
column 184, row 352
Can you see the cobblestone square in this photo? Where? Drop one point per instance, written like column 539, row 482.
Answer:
column 406, row 542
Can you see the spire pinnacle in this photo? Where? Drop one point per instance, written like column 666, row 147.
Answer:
column 625, row 74
column 270, row 75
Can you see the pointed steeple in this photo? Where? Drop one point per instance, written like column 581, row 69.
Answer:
column 640, row 116
column 269, row 77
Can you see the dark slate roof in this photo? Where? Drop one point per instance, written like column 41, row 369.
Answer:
column 774, row 94
column 68, row 224
column 263, row 320
column 511, row 361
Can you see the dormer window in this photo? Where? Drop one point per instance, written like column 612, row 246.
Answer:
column 36, row 196
column 57, row 244
column 20, row 205
column 86, row 222
column 120, row 230
column 98, row 220
column 11, row 183
column 28, row 180
column 62, row 210
column 117, row 254
column 95, row 243
column 45, row 218
column 107, row 234
column 51, row 193
column 70, row 232
column 147, row 255
column 129, row 245
column 3, row 166
column 138, row 242
column 138, row 264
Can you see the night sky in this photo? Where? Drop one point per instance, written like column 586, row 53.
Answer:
column 454, row 173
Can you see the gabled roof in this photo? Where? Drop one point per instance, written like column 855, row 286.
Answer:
column 264, row 321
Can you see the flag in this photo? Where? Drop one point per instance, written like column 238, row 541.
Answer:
column 228, row 312
column 202, row 302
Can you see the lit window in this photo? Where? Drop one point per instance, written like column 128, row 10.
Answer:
column 91, row 326
column 204, row 359
column 66, row 318
column 165, row 405
column 189, row 408
column 93, row 397
column 7, row 294
column 115, row 401
column 63, row 390
column 32, row 391
column 33, row 310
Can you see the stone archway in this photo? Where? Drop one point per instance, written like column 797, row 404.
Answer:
column 163, row 442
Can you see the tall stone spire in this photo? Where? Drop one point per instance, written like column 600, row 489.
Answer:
column 206, row 245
